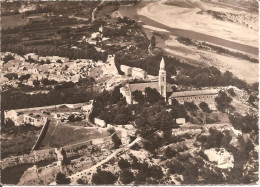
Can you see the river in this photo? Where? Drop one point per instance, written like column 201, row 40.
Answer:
column 131, row 12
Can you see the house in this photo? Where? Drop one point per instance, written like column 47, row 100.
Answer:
column 100, row 122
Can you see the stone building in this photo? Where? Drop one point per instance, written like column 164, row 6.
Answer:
column 160, row 86
column 196, row 96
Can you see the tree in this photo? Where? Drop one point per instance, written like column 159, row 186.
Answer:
column 7, row 58
column 223, row 102
column 123, row 164
column 153, row 42
column 80, row 181
column 231, row 92
column 24, row 77
column 169, row 153
column 190, row 174
column 103, row 177
column 155, row 172
column 205, row 107
column 36, row 82
column 62, row 179
column 140, row 177
column 152, row 95
column 11, row 76
column 175, row 167
column 138, row 96
column 190, row 106
column 126, row 176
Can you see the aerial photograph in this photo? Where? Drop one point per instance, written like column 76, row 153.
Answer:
column 131, row 92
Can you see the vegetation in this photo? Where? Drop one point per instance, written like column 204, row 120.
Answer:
column 217, row 49
column 126, row 176
column 223, row 102
column 216, row 139
column 246, row 123
column 62, row 179
column 7, row 58
column 103, row 177
column 205, row 107
column 123, row 164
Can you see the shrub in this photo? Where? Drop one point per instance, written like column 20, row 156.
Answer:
column 231, row 92
column 62, row 179
column 7, row 58
column 175, row 167
column 24, row 77
column 11, row 76
column 205, row 107
column 123, row 164
column 103, row 177
column 155, row 172
column 80, row 181
column 126, row 176
column 169, row 153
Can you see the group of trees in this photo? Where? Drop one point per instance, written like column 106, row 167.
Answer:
column 103, row 178
column 220, row 50
column 188, row 75
column 223, row 102
column 246, row 123
column 7, row 58
column 216, row 139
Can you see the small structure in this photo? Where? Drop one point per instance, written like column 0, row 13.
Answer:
column 180, row 121
column 87, row 109
column 31, row 56
column 126, row 69
column 111, row 64
column 100, row 122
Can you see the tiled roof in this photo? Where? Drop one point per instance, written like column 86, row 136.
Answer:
column 141, row 86
column 194, row 93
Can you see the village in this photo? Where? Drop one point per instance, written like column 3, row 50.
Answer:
column 90, row 97
column 93, row 143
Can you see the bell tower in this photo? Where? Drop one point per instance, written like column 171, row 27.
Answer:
column 162, row 79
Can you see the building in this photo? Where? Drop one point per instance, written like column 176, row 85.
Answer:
column 160, row 86
column 196, row 96
column 162, row 79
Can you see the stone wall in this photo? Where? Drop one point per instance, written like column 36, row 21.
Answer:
column 80, row 149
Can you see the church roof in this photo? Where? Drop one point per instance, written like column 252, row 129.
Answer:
column 194, row 93
column 141, row 86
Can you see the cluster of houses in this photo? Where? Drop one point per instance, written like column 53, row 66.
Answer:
column 59, row 69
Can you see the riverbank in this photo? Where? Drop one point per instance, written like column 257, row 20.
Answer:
column 137, row 13
column 243, row 69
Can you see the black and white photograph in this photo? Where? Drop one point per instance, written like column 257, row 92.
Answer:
column 133, row 92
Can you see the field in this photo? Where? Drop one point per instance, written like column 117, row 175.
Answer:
column 61, row 134
column 13, row 21
column 18, row 144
